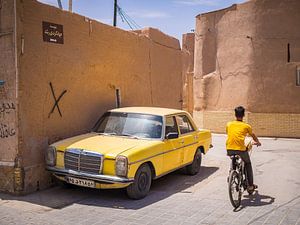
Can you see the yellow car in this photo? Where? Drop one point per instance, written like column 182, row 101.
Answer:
column 128, row 148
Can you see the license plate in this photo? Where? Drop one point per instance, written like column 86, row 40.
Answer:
column 81, row 182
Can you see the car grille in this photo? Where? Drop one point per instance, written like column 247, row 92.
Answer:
column 83, row 161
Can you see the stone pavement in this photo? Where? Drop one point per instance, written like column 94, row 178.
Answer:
column 177, row 198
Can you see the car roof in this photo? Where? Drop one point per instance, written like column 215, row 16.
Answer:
column 149, row 110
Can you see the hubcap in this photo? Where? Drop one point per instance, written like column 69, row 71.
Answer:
column 143, row 181
column 198, row 160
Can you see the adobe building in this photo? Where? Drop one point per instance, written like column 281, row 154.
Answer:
column 188, row 46
column 60, row 71
column 249, row 54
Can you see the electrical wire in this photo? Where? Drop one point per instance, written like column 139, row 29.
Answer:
column 125, row 17
column 131, row 20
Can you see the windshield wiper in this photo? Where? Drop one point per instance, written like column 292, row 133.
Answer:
column 115, row 134
column 129, row 135
column 108, row 133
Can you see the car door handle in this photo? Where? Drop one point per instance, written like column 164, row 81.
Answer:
column 181, row 142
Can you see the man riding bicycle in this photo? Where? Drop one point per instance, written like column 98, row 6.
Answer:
column 236, row 132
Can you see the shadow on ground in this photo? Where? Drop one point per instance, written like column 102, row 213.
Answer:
column 255, row 200
column 58, row 197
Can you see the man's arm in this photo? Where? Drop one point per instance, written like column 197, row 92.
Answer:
column 256, row 141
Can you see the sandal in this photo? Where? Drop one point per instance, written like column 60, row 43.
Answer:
column 252, row 188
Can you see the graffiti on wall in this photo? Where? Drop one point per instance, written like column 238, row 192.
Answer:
column 56, row 101
column 6, row 128
column 6, row 108
column 6, row 131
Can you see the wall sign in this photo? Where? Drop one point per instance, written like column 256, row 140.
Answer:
column 53, row 33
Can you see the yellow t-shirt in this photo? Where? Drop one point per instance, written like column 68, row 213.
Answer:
column 237, row 131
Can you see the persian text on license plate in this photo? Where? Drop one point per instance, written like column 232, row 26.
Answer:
column 81, row 182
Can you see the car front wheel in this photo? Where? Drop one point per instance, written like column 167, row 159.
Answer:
column 142, row 182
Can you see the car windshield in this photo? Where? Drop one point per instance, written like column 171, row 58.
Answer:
column 130, row 124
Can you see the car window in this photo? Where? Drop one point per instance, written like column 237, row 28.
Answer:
column 171, row 125
column 130, row 124
column 184, row 124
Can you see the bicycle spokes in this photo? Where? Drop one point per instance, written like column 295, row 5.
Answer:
column 234, row 187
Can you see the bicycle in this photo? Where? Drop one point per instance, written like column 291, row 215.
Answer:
column 237, row 179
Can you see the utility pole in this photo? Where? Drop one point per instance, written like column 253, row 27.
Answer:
column 115, row 13
column 70, row 5
column 59, row 4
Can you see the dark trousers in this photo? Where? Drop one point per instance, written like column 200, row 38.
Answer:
column 245, row 157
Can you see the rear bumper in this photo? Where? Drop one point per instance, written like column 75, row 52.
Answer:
column 95, row 177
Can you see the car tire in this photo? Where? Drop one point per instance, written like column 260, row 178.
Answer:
column 194, row 168
column 142, row 182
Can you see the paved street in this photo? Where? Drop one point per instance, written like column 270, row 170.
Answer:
column 177, row 198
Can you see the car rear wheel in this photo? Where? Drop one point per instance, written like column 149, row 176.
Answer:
column 194, row 168
column 142, row 182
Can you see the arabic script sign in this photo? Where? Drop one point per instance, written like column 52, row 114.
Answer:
column 53, row 33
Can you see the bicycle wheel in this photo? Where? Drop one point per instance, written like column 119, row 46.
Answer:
column 234, row 188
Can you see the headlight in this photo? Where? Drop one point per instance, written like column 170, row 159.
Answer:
column 50, row 156
column 121, row 166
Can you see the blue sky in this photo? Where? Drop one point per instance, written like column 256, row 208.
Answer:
column 173, row 17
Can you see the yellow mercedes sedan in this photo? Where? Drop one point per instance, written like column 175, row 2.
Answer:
column 128, row 148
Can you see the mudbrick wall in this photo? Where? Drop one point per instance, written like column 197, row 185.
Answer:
column 249, row 54
column 8, row 96
column 188, row 45
column 69, row 68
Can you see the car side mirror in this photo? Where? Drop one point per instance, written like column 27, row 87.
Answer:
column 172, row 135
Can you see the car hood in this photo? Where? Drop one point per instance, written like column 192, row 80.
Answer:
column 110, row 146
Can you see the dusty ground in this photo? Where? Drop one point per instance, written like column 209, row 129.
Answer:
column 177, row 198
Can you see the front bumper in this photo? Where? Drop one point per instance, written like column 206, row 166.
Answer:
column 95, row 177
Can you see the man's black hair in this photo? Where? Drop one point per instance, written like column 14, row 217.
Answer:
column 239, row 111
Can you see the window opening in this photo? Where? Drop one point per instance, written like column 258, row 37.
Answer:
column 118, row 98
column 288, row 52
column 298, row 77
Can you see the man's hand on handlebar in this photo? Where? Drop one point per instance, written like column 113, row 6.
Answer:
column 257, row 143
column 255, row 140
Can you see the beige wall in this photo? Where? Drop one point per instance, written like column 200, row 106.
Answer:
column 188, row 45
column 94, row 60
column 8, row 103
column 241, row 59
column 273, row 88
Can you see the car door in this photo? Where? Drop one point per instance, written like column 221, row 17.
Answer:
column 172, row 155
column 188, row 137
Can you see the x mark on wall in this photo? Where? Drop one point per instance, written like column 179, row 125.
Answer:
column 56, row 100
